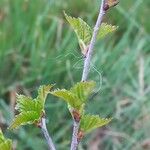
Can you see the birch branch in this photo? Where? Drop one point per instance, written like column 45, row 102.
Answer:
column 86, row 70
column 87, row 61
column 46, row 134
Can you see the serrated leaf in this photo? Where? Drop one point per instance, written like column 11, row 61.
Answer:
column 90, row 122
column 43, row 91
column 82, row 30
column 77, row 95
column 25, row 104
column 2, row 139
column 30, row 110
column 5, row 144
column 23, row 118
column 105, row 29
column 83, row 89
column 69, row 97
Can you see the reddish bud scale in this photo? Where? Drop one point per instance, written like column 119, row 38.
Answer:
column 37, row 124
column 106, row 7
column 43, row 115
column 80, row 135
column 76, row 115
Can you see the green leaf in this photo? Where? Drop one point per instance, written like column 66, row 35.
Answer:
column 105, row 29
column 2, row 139
column 82, row 30
column 25, row 104
column 90, row 122
column 42, row 93
column 5, row 144
column 30, row 110
column 77, row 95
column 69, row 97
column 83, row 89
column 23, row 118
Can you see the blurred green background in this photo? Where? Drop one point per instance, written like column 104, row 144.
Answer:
column 37, row 47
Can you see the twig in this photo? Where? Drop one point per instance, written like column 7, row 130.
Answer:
column 75, row 141
column 46, row 134
column 87, row 60
column 86, row 70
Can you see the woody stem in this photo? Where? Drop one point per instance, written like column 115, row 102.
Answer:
column 86, row 70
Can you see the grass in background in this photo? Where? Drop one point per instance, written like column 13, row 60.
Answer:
column 38, row 47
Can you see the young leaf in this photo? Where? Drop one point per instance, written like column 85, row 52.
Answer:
column 23, row 118
column 83, row 89
column 30, row 110
column 69, row 97
column 5, row 144
column 2, row 139
column 105, row 29
column 25, row 104
column 82, row 30
column 77, row 95
column 43, row 91
column 90, row 122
